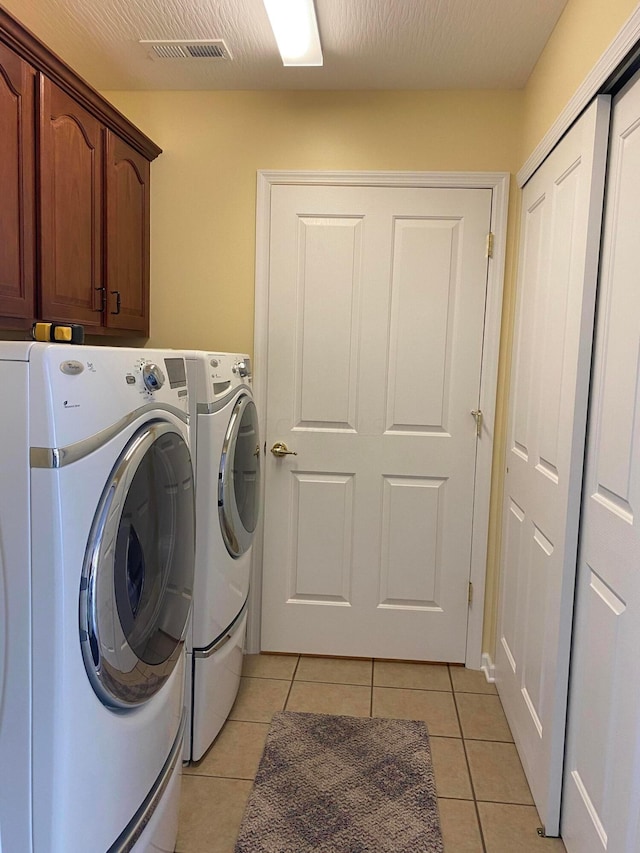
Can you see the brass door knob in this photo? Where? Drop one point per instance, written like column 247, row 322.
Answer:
column 280, row 449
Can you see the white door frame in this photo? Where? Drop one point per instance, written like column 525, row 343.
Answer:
column 499, row 183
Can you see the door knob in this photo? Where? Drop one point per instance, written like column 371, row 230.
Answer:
column 280, row 449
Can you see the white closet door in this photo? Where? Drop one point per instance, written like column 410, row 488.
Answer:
column 601, row 798
column 559, row 242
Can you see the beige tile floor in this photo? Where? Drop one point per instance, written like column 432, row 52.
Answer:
column 485, row 803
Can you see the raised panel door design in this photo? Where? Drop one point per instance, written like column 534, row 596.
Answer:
column 513, row 545
column 17, row 180
column 70, row 209
column 425, row 267
column 321, row 562
column 533, row 237
column 601, row 799
column 534, row 667
column 127, row 237
column 411, row 553
column 376, row 321
column 599, row 659
column 327, row 296
column 561, row 215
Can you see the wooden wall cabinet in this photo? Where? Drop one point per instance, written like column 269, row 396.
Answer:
column 75, row 220
column 126, row 237
column 70, row 210
column 17, row 188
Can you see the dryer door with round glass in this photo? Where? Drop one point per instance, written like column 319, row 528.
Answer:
column 239, row 480
column 137, row 578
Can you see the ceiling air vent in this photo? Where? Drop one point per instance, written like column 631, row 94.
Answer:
column 195, row 49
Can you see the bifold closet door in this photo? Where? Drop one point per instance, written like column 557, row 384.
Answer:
column 601, row 796
column 559, row 245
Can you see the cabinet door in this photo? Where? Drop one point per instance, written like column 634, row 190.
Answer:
column 70, row 209
column 17, row 180
column 127, row 237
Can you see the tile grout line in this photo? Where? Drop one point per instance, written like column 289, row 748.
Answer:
column 219, row 776
column 452, row 690
column 293, row 676
column 371, row 689
column 337, row 683
column 466, row 758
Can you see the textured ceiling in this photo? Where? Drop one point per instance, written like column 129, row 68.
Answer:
column 367, row 44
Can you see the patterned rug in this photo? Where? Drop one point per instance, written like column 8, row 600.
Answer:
column 343, row 785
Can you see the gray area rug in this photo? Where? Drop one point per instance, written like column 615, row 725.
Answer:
column 343, row 785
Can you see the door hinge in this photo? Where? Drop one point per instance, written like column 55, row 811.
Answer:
column 470, row 594
column 477, row 414
column 490, row 244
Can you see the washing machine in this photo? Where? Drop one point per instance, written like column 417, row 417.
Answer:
column 226, row 447
column 97, row 544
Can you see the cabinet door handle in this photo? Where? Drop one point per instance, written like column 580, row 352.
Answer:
column 117, row 293
column 103, row 299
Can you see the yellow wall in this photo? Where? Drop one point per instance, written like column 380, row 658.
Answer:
column 204, row 184
column 584, row 31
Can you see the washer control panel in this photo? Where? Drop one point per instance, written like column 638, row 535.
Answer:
column 152, row 376
column 87, row 388
column 243, row 368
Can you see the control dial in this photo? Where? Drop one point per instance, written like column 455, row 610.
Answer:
column 152, row 376
column 242, row 368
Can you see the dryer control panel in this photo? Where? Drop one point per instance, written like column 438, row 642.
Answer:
column 80, row 390
column 214, row 375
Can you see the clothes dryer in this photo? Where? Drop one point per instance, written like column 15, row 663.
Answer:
column 98, row 555
column 226, row 446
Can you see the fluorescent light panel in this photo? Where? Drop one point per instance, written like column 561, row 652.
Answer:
column 295, row 27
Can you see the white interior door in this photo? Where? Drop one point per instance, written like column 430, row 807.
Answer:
column 601, row 797
column 559, row 242
column 376, row 316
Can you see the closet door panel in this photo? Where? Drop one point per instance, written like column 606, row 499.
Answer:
column 561, row 216
column 602, row 775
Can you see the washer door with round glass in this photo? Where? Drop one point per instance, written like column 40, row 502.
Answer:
column 137, row 579
column 239, row 480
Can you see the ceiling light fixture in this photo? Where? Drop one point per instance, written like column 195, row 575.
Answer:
column 295, row 27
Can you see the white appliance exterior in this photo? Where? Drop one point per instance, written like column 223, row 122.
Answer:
column 218, row 384
column 15, row 591
column 85, row 777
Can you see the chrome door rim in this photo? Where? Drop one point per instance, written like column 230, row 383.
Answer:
column 105, row 678
column 235, row 535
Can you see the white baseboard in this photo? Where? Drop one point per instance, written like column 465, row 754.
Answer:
column 489, row 668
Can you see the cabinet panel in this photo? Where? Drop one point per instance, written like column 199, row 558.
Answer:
column 127, row 237
column 70, row 209
column 17, row 180
column 74, row 197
